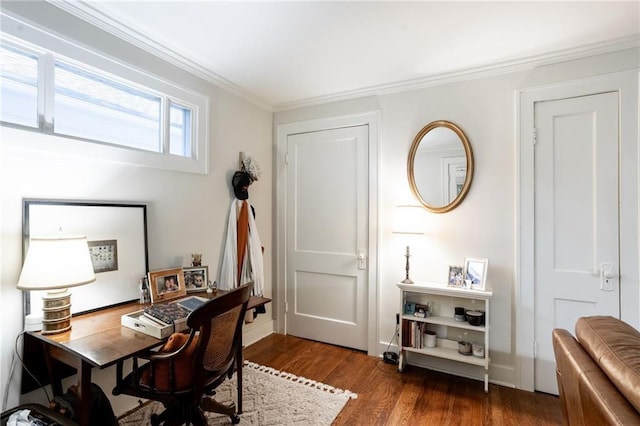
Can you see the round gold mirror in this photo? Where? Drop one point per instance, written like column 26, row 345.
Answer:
column 440, row 166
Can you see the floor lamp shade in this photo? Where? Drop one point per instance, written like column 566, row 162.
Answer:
column 54, row 264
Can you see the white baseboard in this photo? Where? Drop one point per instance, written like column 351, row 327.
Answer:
column 257, row 330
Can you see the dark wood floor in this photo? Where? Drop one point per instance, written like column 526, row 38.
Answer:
column 415, row 397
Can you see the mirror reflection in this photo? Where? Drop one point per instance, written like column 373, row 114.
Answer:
column 440, row 166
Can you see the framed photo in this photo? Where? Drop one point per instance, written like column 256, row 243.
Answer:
column 475, row 272
column 456, row 276
column 167, row 284
column 196, row 278
column 409, row 308
column 421, row 311
column 117, row 238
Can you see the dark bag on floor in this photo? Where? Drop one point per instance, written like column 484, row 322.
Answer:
column 101, row 413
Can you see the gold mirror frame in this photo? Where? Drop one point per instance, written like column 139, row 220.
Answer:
column 470, row 165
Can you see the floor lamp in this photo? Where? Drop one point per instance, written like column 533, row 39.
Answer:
column 408, row 220
column 55, row 264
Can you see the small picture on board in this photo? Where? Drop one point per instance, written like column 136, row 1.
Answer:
column 104, row 255
column 456, row 275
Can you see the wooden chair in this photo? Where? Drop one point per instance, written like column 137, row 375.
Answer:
column 187, row 369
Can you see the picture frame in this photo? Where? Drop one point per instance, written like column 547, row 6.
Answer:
column 421, row 311
column 456, row 276
column 196, row 278
column 120, row 228
column 475, row 272
column 166, row 284
column 409, row 308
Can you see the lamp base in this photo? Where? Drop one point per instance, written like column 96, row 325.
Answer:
column 56, row 312
column 407, row 281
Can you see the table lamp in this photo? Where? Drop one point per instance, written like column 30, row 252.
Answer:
column 54, row 264
column 408, row 221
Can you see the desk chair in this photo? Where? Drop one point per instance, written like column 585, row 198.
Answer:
column 188, row 368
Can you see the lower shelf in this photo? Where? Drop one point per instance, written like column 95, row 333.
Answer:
column 448, row 349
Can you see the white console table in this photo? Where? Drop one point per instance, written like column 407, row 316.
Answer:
column 442, row 300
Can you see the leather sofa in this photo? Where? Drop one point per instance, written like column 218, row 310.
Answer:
column 598, row 372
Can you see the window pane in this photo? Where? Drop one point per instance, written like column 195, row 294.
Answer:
column 180, row 130
column 19, row 87
column 91, row 106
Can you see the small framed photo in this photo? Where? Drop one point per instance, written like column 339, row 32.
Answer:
column 196, row 278
column 475, row 272
column 409, row 308
column 166, row 284
column 421, row 311
column 456, row 276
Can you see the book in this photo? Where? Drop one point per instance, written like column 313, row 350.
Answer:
column 192, row 303
column 168, row 313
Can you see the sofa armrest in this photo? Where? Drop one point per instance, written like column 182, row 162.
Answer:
column 615, row 346
column 571, row 361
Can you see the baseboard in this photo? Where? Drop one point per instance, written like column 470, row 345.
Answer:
column 257, row 330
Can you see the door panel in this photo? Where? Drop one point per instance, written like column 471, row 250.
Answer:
column 576, row 219
column 327, row 200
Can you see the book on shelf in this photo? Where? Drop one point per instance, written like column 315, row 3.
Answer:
column 413, row 334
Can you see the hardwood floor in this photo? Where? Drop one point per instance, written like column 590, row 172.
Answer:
column 415, row 397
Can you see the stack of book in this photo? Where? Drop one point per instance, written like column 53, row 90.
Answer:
column 162, row 319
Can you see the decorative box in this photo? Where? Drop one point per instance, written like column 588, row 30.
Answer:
column 138, row 321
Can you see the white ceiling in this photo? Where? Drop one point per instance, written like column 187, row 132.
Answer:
column 288, row 53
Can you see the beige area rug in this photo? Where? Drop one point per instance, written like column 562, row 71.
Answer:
column 270, row 397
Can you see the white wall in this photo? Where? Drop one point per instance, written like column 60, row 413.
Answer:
column 484, row 225
column 186, row 212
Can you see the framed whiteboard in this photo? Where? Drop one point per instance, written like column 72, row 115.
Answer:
column 117, row 236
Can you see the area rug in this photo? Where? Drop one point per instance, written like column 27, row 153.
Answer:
column 270, row 397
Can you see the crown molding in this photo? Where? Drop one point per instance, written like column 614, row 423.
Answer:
column 489, row 70
column 85, row 11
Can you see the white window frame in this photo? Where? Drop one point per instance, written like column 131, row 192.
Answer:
column 35, row 39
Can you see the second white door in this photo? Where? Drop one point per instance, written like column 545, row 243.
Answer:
column 576, row 219
column 327, row 228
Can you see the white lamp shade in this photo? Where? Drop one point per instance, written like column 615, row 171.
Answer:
column 408, row 220
column 54, row 263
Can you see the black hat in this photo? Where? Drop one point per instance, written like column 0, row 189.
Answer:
column 240, row 182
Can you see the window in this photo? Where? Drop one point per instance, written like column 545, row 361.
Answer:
column 98, row 101
column 19, row 87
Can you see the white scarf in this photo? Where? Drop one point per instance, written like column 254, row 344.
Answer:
column 252, row 266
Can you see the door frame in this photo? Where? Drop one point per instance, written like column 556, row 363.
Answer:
column 626, row 84
column 370, row 119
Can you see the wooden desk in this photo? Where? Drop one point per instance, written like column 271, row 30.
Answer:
column 97, row 339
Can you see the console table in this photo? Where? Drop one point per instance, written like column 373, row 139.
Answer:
column 97, row 339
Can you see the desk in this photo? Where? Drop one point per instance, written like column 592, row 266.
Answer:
column 97, row 339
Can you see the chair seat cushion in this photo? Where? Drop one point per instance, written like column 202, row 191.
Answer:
column 182, row 365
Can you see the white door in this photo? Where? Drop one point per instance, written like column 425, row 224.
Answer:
column 576, row 219
column 326, row 229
